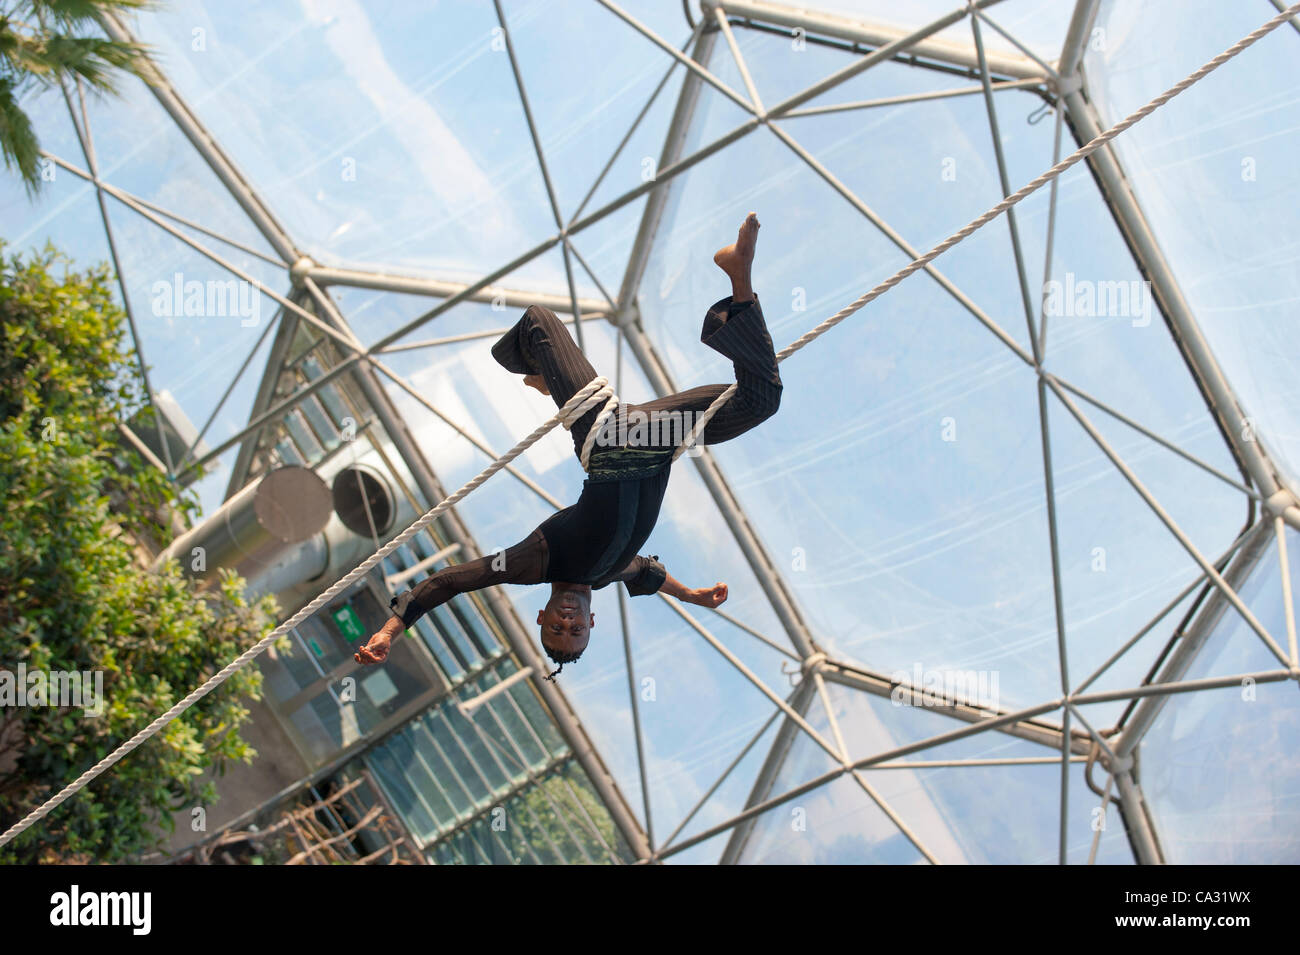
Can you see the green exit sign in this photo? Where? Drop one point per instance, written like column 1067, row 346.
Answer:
column 349, row 624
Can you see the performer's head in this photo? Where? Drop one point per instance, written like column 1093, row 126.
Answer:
column 566, row 623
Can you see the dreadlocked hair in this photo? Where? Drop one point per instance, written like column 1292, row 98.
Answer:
column 561, row 657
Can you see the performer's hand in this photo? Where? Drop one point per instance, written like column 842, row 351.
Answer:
column 375, row 651
column 711, row 597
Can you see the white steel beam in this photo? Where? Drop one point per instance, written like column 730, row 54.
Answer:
column 873, row 34
column 968, row 711
column 786, row 734
column 1076, row 36
column 445, row 288
column 1194, row 638
column 1141, row 836
column 1128, row 213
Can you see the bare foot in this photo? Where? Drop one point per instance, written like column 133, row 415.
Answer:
column 736, row 259
column 538, row 382
column 739, row 256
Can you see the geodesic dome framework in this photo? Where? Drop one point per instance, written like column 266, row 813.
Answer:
column 1009, row 571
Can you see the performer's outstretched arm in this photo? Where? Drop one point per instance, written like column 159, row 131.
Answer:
column 709, row 597
column 521, row 564
column 645, row 575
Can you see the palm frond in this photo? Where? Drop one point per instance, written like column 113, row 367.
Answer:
column 95, row 60
column 42, row 43
column 73, row 13
column 18, row 142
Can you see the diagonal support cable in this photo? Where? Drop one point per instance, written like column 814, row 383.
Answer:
column 88, row 150
column 866, row 787
column 1004, row 181
column 1224, row 587
column 546, row 173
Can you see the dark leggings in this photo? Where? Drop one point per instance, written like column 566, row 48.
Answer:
column 540, row 343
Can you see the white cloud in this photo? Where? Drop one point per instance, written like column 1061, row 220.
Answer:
column 518, row 408
column 437, row 154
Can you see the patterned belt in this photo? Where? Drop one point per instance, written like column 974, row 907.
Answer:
column 626, row 464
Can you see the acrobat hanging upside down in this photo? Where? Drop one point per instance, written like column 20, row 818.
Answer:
column 595, row 542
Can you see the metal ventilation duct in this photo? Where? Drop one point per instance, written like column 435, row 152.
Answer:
column 361, row 493
column 363, row 501
column 252, row 530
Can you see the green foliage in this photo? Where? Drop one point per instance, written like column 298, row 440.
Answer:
column 75, row 594
column 44, row 43
column 547, row 829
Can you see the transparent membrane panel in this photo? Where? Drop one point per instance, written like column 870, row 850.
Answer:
column 885, row 158
column 583, row 113
column 66, row 216
column 1213, row 170
column 64, row 212
column 204, row 332
column 728, row 798
column 901, row 482
column 141, row 150
column 1217, row 767
column 838, row 823
column 901, row 489
column 1104, row 335
column 375, row 147
column 599, row 252
column 1004, row 813
column 1120, row 563
column 687, row 740
column 1145, row 354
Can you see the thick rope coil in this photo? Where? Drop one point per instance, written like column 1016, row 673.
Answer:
column 597, row 391
column 605, row 392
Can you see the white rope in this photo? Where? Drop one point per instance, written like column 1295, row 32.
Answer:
column 597, row 392
column 1081, row 153
column 606, row 393
column 589, row 396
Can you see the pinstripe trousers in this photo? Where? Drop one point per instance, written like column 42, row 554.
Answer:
column 540, row 344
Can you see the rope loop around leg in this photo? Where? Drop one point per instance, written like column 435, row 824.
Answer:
column 597, row 390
